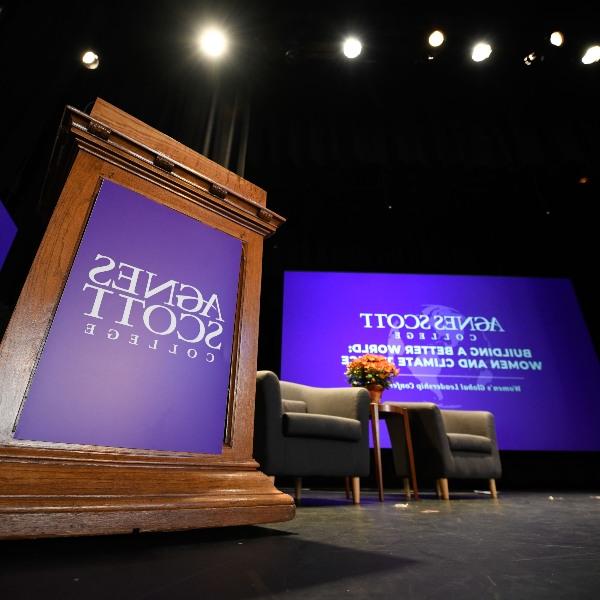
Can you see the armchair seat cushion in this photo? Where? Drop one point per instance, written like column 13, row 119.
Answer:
column 321, row 426
column 465, row 442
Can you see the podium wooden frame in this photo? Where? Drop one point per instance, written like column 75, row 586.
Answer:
column 50, row 489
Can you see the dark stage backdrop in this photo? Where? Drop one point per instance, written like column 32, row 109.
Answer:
column 395, row 163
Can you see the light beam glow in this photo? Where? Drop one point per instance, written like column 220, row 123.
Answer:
column 436, row 39
column 352, row 47
column 592, row 55
column 90, row 59
column 557, row 38
column 481, row 51
column 213, row 42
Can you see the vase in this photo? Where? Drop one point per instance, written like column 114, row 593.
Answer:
column 375, row 390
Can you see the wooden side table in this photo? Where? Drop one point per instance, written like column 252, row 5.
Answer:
column 384, row 411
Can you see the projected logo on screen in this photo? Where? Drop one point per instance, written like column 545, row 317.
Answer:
column 515, row 346
column 425, row 344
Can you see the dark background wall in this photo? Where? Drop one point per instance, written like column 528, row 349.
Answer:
column 393, row 163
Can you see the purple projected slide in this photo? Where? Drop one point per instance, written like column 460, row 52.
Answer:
column 8, row 231
column 517, row 347
column 139, row 352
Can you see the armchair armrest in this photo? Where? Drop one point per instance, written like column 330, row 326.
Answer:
column 268, row 433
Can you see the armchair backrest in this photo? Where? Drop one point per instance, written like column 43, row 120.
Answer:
column 474, row 422
column 427, row 425
column 429, row 438
column 326, row 401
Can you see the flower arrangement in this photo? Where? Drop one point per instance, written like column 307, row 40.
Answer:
column 371, row 369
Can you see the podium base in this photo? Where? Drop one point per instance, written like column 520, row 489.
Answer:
column 52, row 500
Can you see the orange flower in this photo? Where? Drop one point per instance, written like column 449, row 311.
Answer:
column 371, row 369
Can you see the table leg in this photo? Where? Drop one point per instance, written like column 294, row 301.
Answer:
column 377, row 448
column 409, row 449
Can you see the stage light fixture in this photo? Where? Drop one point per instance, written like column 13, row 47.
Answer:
column 436, row 39
column 530, row 58
column 481, row 51
column 557, row 38
column 90, row 59
column 592, row 55
column 352, row 47
column 213, row 43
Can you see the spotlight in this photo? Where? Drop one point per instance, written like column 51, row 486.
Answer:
column 436, row 39
column 352, row 47
column 90, row 59
column 481, row 51
column 213, row 42
column 592, row 55
column 557, row 38
column 530, row 58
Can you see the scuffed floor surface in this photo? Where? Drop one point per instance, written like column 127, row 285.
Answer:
column 523, row 545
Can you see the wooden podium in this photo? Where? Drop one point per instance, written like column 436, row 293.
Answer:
column 66, row 488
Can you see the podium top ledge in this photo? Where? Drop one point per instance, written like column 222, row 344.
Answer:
column 116, row 118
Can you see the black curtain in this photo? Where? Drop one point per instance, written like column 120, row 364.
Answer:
column 395, row 163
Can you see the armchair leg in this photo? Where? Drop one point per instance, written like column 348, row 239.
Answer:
column 356, row 490
column 493, row 491
column 347, row 486
column 438, row 489
column 298, row 489
column 443, row 485
column 407, row 488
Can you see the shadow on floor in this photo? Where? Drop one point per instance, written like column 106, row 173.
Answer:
column 237, row 562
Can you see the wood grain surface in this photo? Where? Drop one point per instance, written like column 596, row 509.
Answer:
column 49, row 489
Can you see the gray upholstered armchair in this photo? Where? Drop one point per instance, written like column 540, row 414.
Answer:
column 447, row 444
column 308, row 431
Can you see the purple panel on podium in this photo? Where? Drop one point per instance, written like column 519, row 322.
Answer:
column 139, row 352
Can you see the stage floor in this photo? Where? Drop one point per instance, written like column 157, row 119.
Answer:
column 523, row 545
